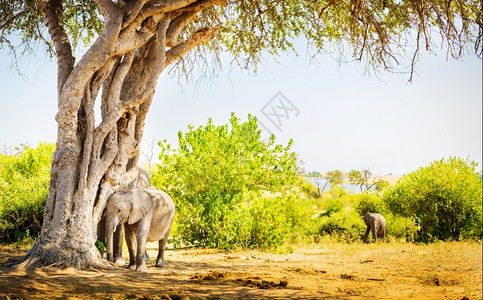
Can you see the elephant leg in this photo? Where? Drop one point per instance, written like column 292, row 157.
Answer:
column 366, row 234
column 118, row 235
column 161, row 247
column 374, row 233
column 160, row 259
column 141, row 239
column 131, row 244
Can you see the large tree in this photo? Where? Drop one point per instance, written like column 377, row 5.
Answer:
column 128, row 43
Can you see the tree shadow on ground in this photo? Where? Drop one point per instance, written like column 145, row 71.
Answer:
column 180, row 279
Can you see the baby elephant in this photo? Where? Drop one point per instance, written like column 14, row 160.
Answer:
column 375, row 223
column 147, row 215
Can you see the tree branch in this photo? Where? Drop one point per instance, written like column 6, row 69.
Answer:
column 89, row 99
column 158, row 49
column 107, row 8
column 132, row 12
column 146, row 69
column 88, row 108
column 154, row 7
column 331, row 2
column 115, row 110
column 131, row 38
column 52, row 11
column 140, row 122
column 187, row 14
column 201, row 36
column 72, row 92
column 12, row 18
column 150, row 15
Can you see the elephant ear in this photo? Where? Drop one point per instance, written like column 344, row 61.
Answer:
column 140, row 206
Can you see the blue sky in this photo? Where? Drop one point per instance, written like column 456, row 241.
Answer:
column 338, row 117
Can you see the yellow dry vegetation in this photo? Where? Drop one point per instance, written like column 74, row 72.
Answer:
column 443, row 270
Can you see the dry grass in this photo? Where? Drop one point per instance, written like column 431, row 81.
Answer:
column 449, row 270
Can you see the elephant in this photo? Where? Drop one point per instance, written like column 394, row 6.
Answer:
column 147, row 215
column 141, row 181
column 375, row 223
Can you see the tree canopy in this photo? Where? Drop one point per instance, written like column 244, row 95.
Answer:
column 366, row 181
column 381, row 33
column 335, row 177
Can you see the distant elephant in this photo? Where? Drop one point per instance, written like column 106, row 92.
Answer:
column 375, row 223
column 147, row 215
column 141, row 181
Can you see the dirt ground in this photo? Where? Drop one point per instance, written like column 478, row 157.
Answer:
column 331, row 270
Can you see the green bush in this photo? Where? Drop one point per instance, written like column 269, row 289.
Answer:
column 265, row 222
column 333, row 205
column 444, row 198
column 368, row 202
column 24, row 183
column 307, row 188
column 345, row 225
column 400, row 228
column 217, row 177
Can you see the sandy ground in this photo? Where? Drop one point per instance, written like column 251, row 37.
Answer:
column 331, row 270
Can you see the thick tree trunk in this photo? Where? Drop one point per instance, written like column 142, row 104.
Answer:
column 91, row 162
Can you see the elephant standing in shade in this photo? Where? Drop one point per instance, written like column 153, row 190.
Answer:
column 147, row 215
column 141, row 181
column 375, row 223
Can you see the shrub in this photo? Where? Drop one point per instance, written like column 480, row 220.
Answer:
column 333, row 205
column 400, row 228
column 369, row 203
column 444, row 198
column 307, row 188
column 345, row 225
column 266, row 222
column 24, row 182
column 217, row 177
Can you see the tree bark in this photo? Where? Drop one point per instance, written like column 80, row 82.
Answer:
column 90, row 162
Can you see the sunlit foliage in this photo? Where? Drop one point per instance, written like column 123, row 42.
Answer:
column 224, row 180
column 24, row 183
column 381, row 34
column 445, row 198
